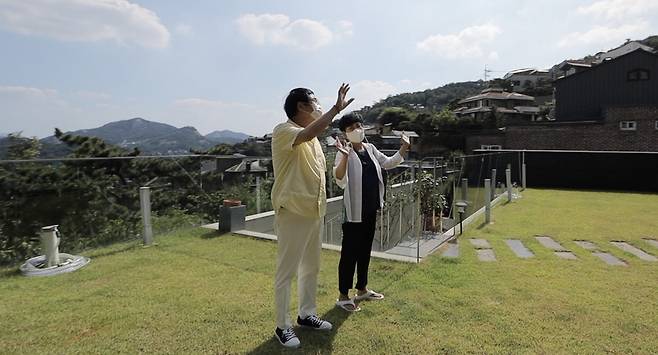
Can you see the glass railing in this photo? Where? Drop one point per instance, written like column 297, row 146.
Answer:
column 96, row 201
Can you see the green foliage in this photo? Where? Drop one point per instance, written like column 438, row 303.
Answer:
column 424, row 101
column 96, row 201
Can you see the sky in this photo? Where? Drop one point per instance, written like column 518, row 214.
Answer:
column 229, row 64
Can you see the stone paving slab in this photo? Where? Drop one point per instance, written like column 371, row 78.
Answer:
column 586, row 245
column 609, row 259
column 635, row 251
column 452, row 250
column 566, row 255
column 549, row 243
column 519, row 249
column 652, row 242
column 480, row 243
column 486, row 254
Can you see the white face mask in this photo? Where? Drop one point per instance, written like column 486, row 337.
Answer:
column 317, row 111
column 356, row 136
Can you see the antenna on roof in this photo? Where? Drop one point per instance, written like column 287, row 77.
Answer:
column 486, row 73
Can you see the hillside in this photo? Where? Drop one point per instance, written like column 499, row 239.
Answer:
column 150, row 137
column 226, row 136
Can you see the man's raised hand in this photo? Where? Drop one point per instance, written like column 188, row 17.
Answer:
column 340, row 101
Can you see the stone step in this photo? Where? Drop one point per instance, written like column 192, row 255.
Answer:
column 566, row 255
column 480, row 243
column 519, row 249
column 635, row 251
column 586, row 245
column 652, row 242
column 609, row 259
column 452, row 250
column 549, row 243
column 486, row 255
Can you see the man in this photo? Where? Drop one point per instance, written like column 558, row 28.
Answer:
column 299, row 201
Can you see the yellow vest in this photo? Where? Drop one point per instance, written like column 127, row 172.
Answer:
column 299, row 173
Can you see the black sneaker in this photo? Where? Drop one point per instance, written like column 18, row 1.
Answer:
column 287, row 338
column 314, row 322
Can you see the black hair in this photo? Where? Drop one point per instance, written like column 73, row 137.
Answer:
column 348, row 120
column 295, row 96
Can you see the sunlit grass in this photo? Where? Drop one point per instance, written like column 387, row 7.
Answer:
column 198, row 292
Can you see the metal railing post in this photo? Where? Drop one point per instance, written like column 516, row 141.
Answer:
column 508, row 175
column 487, row 200
column 145, row 204
column 493, row 184
column 257, row 194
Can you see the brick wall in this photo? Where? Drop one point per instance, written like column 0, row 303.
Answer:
column 599, row 135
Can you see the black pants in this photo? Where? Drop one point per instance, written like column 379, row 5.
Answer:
column 355, row 253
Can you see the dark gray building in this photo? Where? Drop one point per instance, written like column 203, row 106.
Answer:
column 630, row 80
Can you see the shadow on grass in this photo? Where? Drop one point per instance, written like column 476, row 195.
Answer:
column 100, row 254
column 12, row 272
column 313, row 341
column 211, row 234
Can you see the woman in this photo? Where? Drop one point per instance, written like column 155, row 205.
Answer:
column 357, row 170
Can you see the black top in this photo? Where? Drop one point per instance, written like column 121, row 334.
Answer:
column 369, row 185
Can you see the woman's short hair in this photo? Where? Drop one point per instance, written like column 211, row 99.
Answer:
column 348, row 120
column 295, row 96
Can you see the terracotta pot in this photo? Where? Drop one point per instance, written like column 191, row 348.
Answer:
column 232, row 203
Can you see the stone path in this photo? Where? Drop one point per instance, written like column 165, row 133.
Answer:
column 586, row 245
column 606, row 257
column 486, row 255
column 549, row 243
column 480, row 243
column 566, row 255
column 485, row 252
column 635, row 251
column 652, row 242
column 519, row 249
column 452, row 250
column 558, row 249
column 609, row 259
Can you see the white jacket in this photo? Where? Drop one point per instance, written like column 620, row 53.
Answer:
column 353, row 180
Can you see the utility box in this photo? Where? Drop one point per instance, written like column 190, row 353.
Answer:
column 232, row 216
column 50, row 244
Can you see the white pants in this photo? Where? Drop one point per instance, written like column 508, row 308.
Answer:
column 299, row 245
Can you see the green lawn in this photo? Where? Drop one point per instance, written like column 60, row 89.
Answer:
column 198, row 292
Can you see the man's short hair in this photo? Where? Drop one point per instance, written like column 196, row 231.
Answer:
column 348, row 120
column 295, row 96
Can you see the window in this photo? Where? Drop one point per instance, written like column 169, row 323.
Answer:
column 490, row 147
column 627, row 125
column 638, row 75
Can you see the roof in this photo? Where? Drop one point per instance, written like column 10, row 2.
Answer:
column 526, row 71
column 574, row 63
column 516, row 109
column 623, row 49
column 412, row 134
column 254, row 167
column 497, row 95
column 607, row 62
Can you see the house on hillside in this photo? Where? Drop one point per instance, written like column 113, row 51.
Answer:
column 570, row 67
column 629, row 80
column 629, row 46
column 248, row 167
column 523, row 79
column 612, row 106
column 513, row 106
